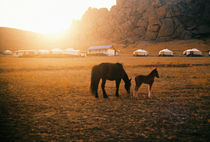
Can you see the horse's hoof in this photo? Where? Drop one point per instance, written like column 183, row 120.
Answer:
column 96, row 96
column 105, row 97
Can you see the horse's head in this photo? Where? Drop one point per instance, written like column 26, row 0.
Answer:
column 128, row 85
column 156, row 73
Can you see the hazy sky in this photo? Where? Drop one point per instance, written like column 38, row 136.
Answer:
column 45, row 16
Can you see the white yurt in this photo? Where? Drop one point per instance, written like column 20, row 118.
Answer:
column 192, row 52
column 83, row 54
column 72, row 51
column 7, row 52
column 43, row 52
column 25, row 53
column 57, row 51
column 140, row 52
column 166, row 52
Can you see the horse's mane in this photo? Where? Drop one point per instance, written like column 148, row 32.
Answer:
column 155, row 69
column 119, row 64
column 125, row 76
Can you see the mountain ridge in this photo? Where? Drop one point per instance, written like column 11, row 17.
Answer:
column 157, row 20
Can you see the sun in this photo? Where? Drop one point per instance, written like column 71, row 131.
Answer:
column 45, row 16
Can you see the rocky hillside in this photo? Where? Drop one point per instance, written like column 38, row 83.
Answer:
column 134, row 20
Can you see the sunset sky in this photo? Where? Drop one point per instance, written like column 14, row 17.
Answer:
column 45, row 16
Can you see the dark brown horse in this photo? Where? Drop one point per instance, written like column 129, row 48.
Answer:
column 148, row 79
column 108, row 71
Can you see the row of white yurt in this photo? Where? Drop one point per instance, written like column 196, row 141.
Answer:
column 21, row 53
column 164, row 52
column 55, row 51
column 192, row 52
column 68, row 51
column 71, row 51
column 167, row 52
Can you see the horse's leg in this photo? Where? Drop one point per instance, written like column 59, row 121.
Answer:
column 96, row 90
column 117, row 87
column 135, row 93
column 103, row 88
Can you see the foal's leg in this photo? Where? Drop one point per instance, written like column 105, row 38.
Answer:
column 135, row 93
column 103, row 88
column 117, row 87
column 149, row 90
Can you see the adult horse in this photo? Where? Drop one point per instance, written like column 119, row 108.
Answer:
column 108, row 71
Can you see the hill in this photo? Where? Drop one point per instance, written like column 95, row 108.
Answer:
column 15, row 39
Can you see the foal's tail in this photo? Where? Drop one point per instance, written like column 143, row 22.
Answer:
column 95, row 78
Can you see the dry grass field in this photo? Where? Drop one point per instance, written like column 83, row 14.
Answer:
column 48, row 99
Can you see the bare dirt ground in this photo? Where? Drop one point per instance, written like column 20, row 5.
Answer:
column 48, row 99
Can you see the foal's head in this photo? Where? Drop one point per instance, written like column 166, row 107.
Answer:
column 155, row 73
column 128, row 85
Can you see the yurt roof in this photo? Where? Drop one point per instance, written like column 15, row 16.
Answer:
column 166, row 50
column 57, row 49
column 194, row 49
column 69, row 49
column 101, row 47
column 140, row 50
column 43, row 50
column 7, row 50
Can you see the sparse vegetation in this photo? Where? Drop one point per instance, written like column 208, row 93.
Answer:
column 48, row 99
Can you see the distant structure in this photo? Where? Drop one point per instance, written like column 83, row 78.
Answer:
column 140, row 52
column 43, row 52
column 56, row 51
column 192, row 52
column 7, row 52
column 166, row 52
column 25, row 53
column 107, row 50
column 83, row 54
column 72, row 51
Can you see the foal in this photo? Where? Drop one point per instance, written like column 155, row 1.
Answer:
column 148, row 79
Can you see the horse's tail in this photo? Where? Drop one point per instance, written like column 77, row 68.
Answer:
column 95, row 78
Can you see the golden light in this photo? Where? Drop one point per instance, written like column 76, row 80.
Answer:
column 45, row 16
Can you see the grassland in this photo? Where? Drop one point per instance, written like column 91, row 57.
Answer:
column 48, row 99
